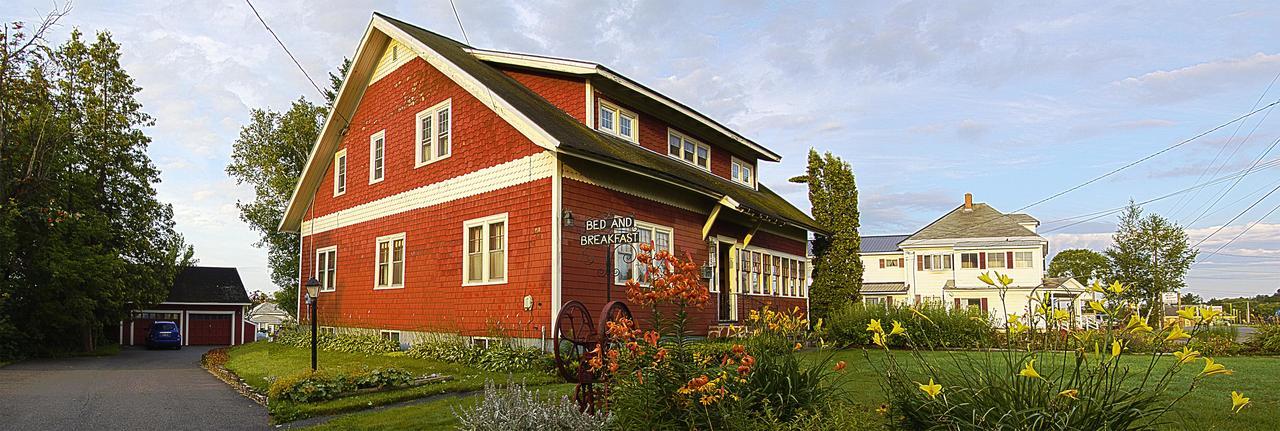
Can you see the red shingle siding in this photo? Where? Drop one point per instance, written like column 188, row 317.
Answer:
column 568, row 94
column 480, row 138
column 434, row 298
column 584, row 277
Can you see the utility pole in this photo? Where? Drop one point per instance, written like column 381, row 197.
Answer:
column 1248, row 312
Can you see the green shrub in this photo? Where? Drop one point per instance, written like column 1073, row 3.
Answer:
column 1265, row 340
column 965, row 328
column 307, row 386
column 514, row 408
column 348, row 343
column 445, row 348
column 499, row 357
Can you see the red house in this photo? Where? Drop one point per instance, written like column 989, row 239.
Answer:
column 450, row 189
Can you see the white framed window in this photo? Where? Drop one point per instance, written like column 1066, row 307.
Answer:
column 434, row 134
column 936, row 262
column 889, row 263
column 683, row 147
column 742, row 173
column 377, row 156
column 618, row 122
column 995, row 260
column 1023, row 259
column 390, row 335
column 328, row 330
column 388, row 272
column 327, row 268
column 764, row 272
column 969, row 261
column 340, row 173
column 484, row 254
column 625, row 265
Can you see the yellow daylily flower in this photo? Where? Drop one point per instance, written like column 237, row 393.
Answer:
column 1189, row 313
column 1212, row 369
column 1238, row 401
column 1030, row 370
column 1208, row 314
column 1116, row 287
column 921, row 315
column 1097, row 306
column 1061, row 315
column 1177, row 334
column 1137, row 324
column 1116, row 348
column 897, row 328
column 1005, row 279
column 1070, row 393
column 878, row 338
column 1016, row 327
column 986, row 278
column 1097, row 287
column 932, row 388
column 874, row 326
column 1186, row 355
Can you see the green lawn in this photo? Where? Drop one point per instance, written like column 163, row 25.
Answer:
column 1206, row 408
column 433, row 415
column 255, row 362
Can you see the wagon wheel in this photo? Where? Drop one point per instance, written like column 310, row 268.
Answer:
column 575, row 337
column 612, row 312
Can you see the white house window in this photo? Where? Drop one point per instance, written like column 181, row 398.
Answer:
column 390, row 335
column 936, row 262
column 485, row 250
column 969, row 261
column 1022, row 259
column 618, row 122
column 340, row 173
column 434, row 134
column 389, row 271
column 889, row 263
column 626, row 267
column 377, row 149
column 328, row 330
column 327, row 268
column 685, row 148
column 741, row 173
column 995, row 260
column 765, row 273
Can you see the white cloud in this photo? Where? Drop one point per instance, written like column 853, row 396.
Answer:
column 1201, row 79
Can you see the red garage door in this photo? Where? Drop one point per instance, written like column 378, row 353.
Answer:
column 208, row 329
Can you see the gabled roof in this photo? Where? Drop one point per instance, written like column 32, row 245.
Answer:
column 529, row 113
column 882, row 243
column 1023, row 218
column 206, row 284
column 982, row 221
column 883, row 287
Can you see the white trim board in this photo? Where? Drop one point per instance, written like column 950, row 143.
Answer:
column 524, row 170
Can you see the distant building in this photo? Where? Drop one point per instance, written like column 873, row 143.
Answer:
column 207, row 303
column 941, row 263
column 268, row 316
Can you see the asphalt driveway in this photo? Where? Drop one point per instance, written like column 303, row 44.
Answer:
column 135, row 390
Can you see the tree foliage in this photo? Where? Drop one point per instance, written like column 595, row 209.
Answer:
column 1082, row 264
column 1150, row 254
column 83, row 238
column 837, row 270
column 269, row 155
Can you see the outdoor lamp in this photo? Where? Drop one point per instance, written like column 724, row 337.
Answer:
column 313, row 288
column 567, row 217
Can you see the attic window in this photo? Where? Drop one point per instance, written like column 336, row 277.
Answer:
column 685, row 148
column 618, row 122
column 395, row 52
column 742, row 173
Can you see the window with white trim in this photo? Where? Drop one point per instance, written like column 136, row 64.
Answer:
column 389, row 262
column 691, row 151
column 340, row 173
column 327, row 268
column 995, row 260
column 969, row 261
column 765, row 273
column 742, row 173
column 434, row 133
column 936, row 262
column 1023, row 259
column 618, row 122
column 328, row 330
column 377, row 156
column 390, row 335
column 626, row 267
column 484, row 251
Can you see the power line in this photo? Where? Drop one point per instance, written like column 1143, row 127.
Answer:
column 1224, row 225
column 460, row 27
column 1255, row 163
column 1242, row 232
column 286, row 49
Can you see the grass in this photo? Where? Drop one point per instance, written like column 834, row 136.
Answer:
column 259, row 361
column 432, row 415
column 1206, row 408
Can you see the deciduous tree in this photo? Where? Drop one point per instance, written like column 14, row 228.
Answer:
column 1151, row 255
column 1082, row 264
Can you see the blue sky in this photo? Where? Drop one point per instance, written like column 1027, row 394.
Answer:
column 1012, row 101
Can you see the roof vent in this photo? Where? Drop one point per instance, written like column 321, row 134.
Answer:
column 968, row 201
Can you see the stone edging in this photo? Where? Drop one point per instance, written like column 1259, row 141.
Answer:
column 213, row 361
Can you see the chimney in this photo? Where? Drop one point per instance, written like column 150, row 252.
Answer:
column 968, row 201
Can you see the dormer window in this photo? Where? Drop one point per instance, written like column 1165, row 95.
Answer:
column 742, row 173
column 685, row 148
column 618, row 122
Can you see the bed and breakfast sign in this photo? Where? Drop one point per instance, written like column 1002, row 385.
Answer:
column 610, row 231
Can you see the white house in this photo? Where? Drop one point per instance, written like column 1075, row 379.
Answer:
column 941, row 263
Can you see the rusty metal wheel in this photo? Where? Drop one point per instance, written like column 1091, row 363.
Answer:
column 575, row 337
column 612, row 312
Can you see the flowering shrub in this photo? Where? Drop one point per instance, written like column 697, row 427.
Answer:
column 1087, row 387
column 514, row 408
column 950, row 328
column 349, row 343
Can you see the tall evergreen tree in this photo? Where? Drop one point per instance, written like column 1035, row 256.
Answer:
column 837, row 270
column 1151, row 255
column 82, row 237
column 269, row 155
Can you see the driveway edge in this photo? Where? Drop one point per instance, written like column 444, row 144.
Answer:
column 214, row 360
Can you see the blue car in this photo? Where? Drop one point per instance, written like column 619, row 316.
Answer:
column 164, row 334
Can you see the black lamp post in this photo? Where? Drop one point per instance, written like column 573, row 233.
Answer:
column 313, row 290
